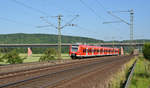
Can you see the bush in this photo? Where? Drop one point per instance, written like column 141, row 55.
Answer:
column 1, row 59
column 13, row 57
column 48, row 55
column 146, row 51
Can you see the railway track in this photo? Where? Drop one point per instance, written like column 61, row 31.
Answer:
column 4, row 69
column 34, row 72
column 53, row 76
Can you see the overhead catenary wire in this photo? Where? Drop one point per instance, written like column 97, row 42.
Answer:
column 100, row 4
column 70, row 21
column 29, row 7
column 14, row 21
column 104, row 8
column 50, row 24
column 92, row 10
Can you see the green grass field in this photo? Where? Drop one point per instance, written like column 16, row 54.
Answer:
column 141, row 77
column 35, row 57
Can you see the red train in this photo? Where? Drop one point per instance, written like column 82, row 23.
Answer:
column 80, row 51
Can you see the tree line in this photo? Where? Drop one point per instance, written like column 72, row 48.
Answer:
column 21, row 38
column 12, row 56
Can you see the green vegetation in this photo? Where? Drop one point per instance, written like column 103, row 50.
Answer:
column 146, row 51
column 119, row 78
column 21, row 38
column 36, row 57
column 48, row 55
column 12, row 58
column 32, row 58
column 141, row 76
column 1, row 59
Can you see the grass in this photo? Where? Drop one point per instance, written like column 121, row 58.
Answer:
column 141, row 76
column 119, row 78
column 35, row 57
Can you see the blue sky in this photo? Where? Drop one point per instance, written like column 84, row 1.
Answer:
column 17, row 18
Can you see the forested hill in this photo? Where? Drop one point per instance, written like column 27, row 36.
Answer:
column 21, row 38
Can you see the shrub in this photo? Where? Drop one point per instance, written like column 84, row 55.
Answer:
column 13, row 57
column 48, row 55
column 1, row 59
column 146, row 51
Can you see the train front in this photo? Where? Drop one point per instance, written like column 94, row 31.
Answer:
column 73, row 51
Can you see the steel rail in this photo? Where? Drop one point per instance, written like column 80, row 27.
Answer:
column 127, row 83
column 54, row 66
column 10, row 84
column 102, row 67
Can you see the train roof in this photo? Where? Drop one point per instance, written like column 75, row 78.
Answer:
column 95, row 46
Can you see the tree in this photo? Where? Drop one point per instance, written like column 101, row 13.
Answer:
column 146, row 54
column 146, row 51
column 13, row 57
column 48, row 55
column 1, row 59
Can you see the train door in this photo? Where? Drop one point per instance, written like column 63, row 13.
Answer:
column 86, row 51
column 101, row 51
column 89, row 51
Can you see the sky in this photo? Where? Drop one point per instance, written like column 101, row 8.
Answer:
column 24, row 16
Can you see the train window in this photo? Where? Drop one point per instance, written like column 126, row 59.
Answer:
column 90, row 50
column 74, row 49
column 98, row 51
column 84, row 50
column 94, row 51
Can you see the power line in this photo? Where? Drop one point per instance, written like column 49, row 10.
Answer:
column 29, row 7
column 59, row 27
column 50, row 24
column 90, row 8
column 9, row 20
column 94, row 10
column 104, row 8
column 100, row 4
column 13, row 21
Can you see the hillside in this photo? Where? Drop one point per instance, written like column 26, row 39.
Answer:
column 128, row 41
column 21, row 38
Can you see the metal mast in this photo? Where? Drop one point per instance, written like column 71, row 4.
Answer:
column 131, row 25
column 59, row 36
column 122, row 20
column 58, row 27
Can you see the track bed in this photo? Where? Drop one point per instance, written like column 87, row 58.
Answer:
column 77, row 74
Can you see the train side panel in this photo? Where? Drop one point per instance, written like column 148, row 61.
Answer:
column 81, row 51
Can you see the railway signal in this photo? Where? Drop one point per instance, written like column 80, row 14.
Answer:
column 58, row 27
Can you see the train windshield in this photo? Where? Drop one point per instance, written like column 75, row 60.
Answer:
column 74, row 49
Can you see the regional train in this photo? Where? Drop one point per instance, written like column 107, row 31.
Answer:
column 81, row 51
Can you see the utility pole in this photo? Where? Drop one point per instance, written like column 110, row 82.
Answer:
column 59, row 36
column 58, row 27
column 122, row 20
column 113, row 42
column 131, row 25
